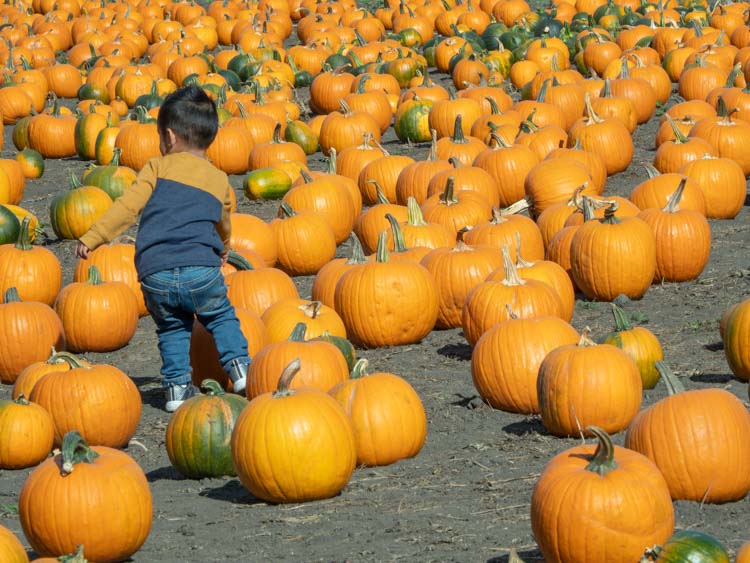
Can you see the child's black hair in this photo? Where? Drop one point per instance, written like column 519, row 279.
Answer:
column 191, row 115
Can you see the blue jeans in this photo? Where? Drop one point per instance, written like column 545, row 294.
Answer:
column 174, row 298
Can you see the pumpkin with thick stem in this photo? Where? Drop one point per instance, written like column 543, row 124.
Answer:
column 571, row 506
column 683, row 239
column 387, row 415
column 457, row 271
column 484, row 306
column 588, row 383
column 413, row 180
column 33, row 270
column 99, row 485
column 684, row 434
column 403, row 303
column 266, row 452
column 29, row 377
column 508, row 164
column 385, row 172
column 456, row 209
column 115, row 262
column 397, row 245
column 613, row 256
column 324, row 284
column 52, row 133
column 555, row 181
column 506, row 359
column 639, row 343
column 655, row 191
column 257, row 288
column 28, row 433
column 323, row 364
column 199, row 433
column 672, row 155
column 98, row 316
column 281, row 317
column 506, row 227
column 30, row 329
column 100, row 401
column 372, row 222
column 465, row 178
column 11, row 548
column 138, row 141
column 73, row 211
column 305, row 241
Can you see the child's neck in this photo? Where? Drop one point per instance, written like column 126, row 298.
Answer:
column 182, row 147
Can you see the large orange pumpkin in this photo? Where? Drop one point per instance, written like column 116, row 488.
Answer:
column 572, row 515
column 686, row 434
column 101, row 486
column 279, row 429
column 387, row 415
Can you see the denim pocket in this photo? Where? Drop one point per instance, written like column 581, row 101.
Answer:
column 211, row 296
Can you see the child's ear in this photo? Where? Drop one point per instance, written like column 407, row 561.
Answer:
column 171, row 137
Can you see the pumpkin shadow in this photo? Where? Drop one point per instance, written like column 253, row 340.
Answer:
column 232, row 491
column 527, row 556
column 531, row 425
column 457, row 351
column 153, row 397
column 712, row 378
column 714, row 346
column 166, row 473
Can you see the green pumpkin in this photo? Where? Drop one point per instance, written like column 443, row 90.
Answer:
column 199, row 434
column 21, row 133
column 112, row 178
column 691, row 546
column 10, row 227
column 491, row 35
column 266, row 183
column 343, row 345
column 152, row 99
column 232, row 78
column 512, row 39
column 93, row 92
column 301, row 134
column 73, row 211
column 411, row 121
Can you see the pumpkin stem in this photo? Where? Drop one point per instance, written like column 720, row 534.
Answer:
column 286, row 211
column 358, row 253
column 593, row 116
column 515, row 208
column 609, row 214
column 513, row 556
column 212, row 387
column 11, row 295
column 603, row 460
column 282, row 390
column 432, row 156
column 277, row 134
column 95, row 278
column 586, row 337
column 494, row 108
column 72, row 360
column 673, row 204
column 414, row 212
column 621, row 319
column 511, row 273
column 679, row 136
column 674, row 385
column 73, row 180
column 21, row 400
column 23, row 242
column 238, row 261
column 75, row 450
column 312, row 309
column 115, row 156
column 381, row 254
column 458, row 132
column 76, row 557
column 448, row 197
column 359, row 369
column 332, row 160
column 298, row 333
column 399, row 245
column 520, row 262
column 378, row 191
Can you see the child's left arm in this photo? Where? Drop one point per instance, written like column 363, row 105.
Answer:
column 224, row 227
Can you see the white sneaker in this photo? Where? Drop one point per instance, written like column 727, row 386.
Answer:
column 237, row 372
column 178, row 394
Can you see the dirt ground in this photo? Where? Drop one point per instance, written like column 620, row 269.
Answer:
column 466, row 496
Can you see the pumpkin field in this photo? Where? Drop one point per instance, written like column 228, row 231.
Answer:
column 527, row 179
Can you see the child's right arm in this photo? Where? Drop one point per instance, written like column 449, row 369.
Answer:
column 124, row 211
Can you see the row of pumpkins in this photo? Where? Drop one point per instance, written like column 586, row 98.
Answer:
column 422, row 207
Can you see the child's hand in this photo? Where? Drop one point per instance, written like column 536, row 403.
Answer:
column 82, row 251
column 224, row 257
